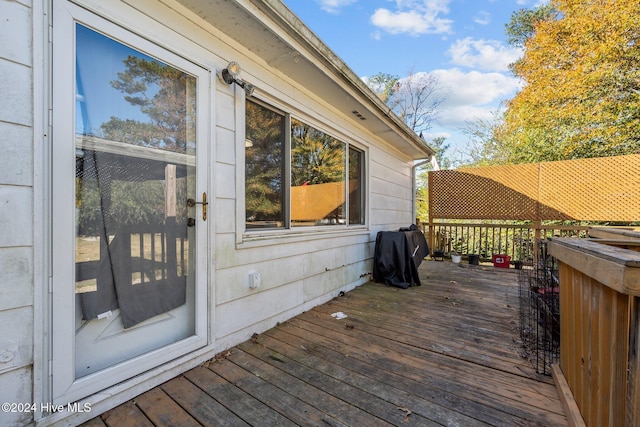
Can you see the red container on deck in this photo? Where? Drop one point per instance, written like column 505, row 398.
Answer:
column 501, row 261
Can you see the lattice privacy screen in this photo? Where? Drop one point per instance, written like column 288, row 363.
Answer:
column 598, row 189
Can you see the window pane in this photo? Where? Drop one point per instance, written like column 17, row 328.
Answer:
column 128, row 97
column 264, row 167
column 318, row 172
column 135, row 150
column 356, row 200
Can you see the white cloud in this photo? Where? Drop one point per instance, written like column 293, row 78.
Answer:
column 472, row 95
column 482, row 18
column 489, row 55
column 334, row 6
column 414, row 17
column 528, row 4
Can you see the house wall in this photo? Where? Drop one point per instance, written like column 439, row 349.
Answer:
column 16, row 209
column 298, row 270
column 301, row 270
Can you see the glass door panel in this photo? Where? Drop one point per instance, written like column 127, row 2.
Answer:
column 135, row 168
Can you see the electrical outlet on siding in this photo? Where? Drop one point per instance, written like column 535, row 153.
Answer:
column 254, row 280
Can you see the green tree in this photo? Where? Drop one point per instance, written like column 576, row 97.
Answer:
column 264, row 169
column 316, row 157
column 582, row 84
column 521, row 27
column 440, row 146
column 485, row 144
column 166, row 99
column 163, row 95
column 384, row 85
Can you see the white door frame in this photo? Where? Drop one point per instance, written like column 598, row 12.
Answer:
column 65, row 386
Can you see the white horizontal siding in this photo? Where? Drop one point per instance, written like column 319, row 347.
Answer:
column 239, row 314
column 17, row 386
column 16, row 344
column 233, row 283
column 391, row 192
column 16, row 210
column 391, row 202
column 16, row 274
column 16, row 216
column 388, row 187
column 15, row 92
column 392, row 220
column 300, row 271
column 15, row 32
column 283, row 247
column 16, row 161
column 344, row 276
column 284, row 264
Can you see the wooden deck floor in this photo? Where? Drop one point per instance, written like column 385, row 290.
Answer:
column 444, row 353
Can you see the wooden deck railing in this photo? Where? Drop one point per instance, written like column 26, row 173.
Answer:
column 484, row 239
column 599, row 330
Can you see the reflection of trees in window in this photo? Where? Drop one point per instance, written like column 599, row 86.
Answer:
column 318, row 173
column 165, row 96
column 319, row 169
column 316, row 157
column 113, row 185
column 264, row 166
column 356, row 199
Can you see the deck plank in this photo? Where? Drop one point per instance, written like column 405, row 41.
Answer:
column 162, row 410
column 199, row 404
column 256, row 381
column 93, row 422
column 489, row 394
column 444, row 353
column 246, row 407
column 351, row 405
column 423, row 345
column 424, row 330
column 362, row 375
column 126, row 414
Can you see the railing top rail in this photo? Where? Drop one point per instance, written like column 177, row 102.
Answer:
column 615, row 267
column 489, row 225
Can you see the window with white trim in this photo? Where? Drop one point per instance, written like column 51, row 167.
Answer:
column 297, row 175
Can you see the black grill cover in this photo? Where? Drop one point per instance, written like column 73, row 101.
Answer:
column 397, row 257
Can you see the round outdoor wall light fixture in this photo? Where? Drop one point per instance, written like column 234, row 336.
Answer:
column 230, row 75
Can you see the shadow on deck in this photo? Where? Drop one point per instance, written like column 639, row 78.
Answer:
column 445, row 353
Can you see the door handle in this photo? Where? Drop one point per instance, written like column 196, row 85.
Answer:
column 191, row 203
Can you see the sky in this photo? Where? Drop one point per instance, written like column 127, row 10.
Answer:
column 461, row 42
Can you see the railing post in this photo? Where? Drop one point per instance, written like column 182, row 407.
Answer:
column 431, row 239
column 536, row 236
column 599, row 333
